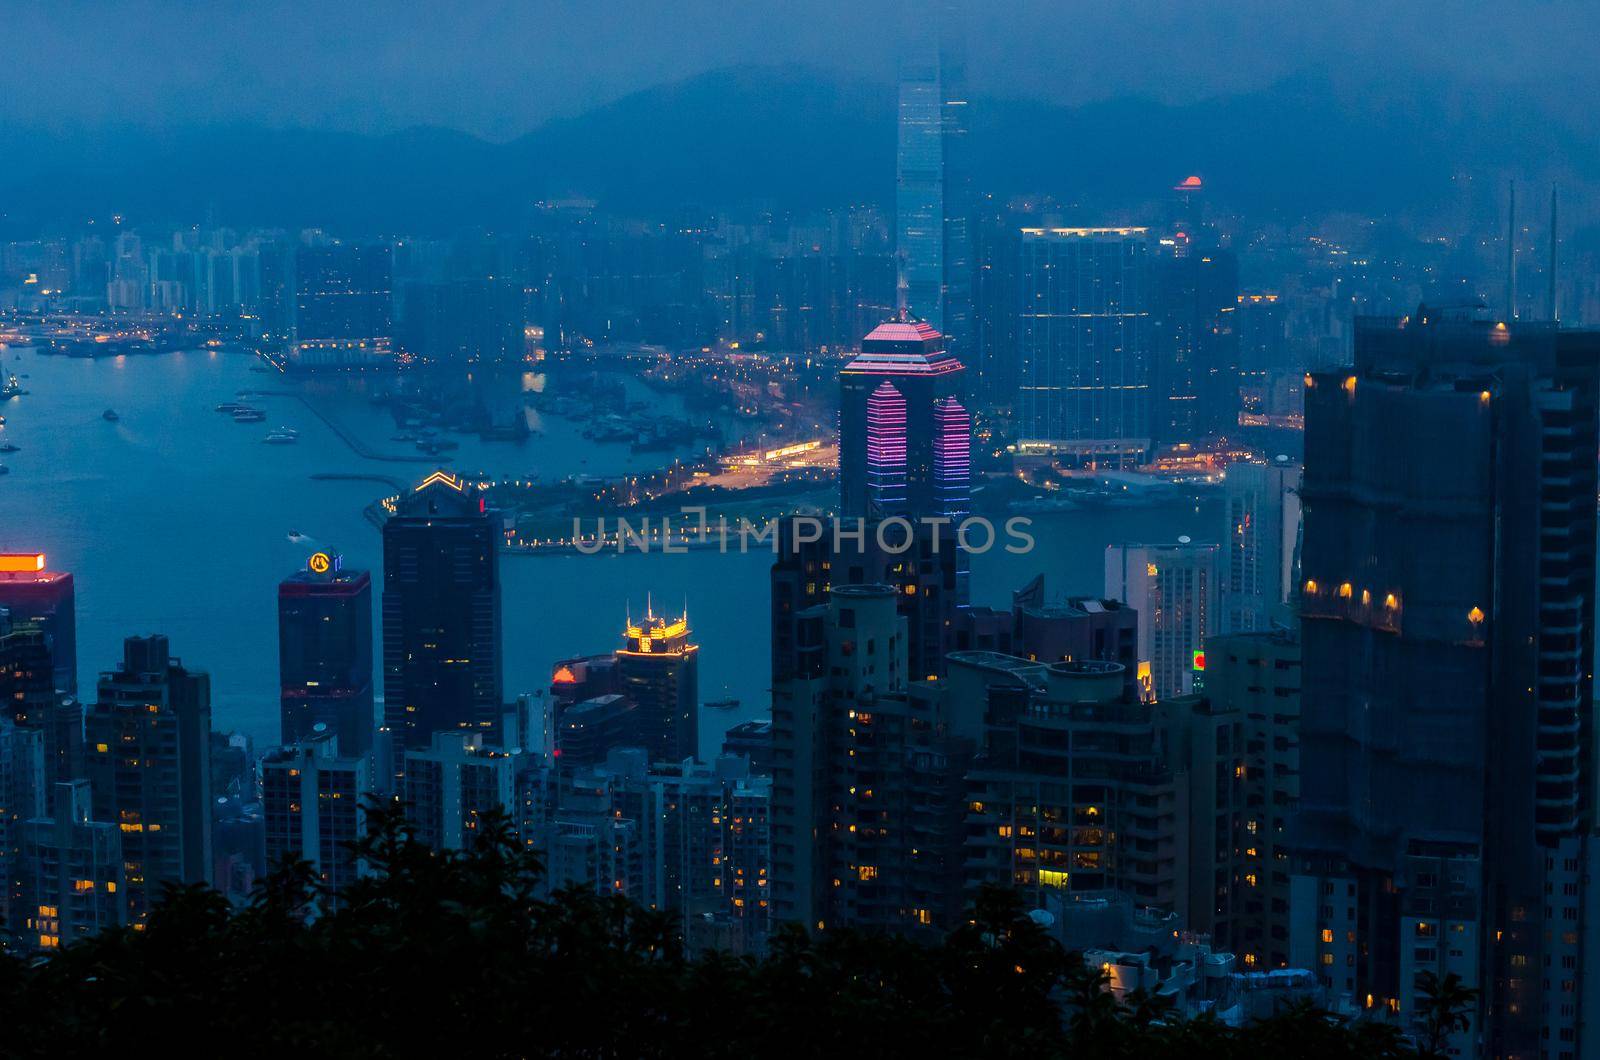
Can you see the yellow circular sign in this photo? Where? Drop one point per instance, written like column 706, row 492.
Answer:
column 320, row 563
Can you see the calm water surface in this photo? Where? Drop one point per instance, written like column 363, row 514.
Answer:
column 175, row 519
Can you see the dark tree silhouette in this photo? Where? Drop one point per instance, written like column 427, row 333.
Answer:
column 456, row 955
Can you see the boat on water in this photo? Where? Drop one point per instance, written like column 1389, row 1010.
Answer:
column 110, row 416
column 230, row 407
column 249, row 415
column 296, row 537
column 282, row 436
column 9, row 447
column 722, row 704
column 11, row 388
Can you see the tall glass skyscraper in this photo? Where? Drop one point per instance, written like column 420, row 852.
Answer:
column 1084, row 336
column 441, row 615
column 933, row 201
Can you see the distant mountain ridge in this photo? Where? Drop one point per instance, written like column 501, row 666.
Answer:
column 788, row 137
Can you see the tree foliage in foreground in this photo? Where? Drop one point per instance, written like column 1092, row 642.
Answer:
column 454, row 955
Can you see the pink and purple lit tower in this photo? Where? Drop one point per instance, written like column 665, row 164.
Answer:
column 904, row 436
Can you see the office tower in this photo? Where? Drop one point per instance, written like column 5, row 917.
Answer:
column 452, row 784
column 325, row 654
column 1196, row 370
column 933, row 188
column 1085, row 339
column 147, row 745
column 441, row 614
column 1081, row 787
column 36, row 596
column 1258, row 675
column 1265, row 364
column 753, row 740
column 343, row 307
column 996, row 254
column 22, row 797
column 28, row 690
column 901, row 426
column 1261, row 507
column 866, row 793
column 593, row 728
column 1447, row 615
column 73, row 883
column 659, row 671
column 1174, row 590
column 312, row 799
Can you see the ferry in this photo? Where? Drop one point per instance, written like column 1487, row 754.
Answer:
column 110, row 416
column 722, row 704
column 249, row 415
column 11, row 388
column 282, row 436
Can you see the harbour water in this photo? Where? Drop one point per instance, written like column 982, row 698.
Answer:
column 176, row 519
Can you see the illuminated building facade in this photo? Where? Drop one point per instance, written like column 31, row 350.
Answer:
column 325, row 654
column 1447, row 609
column 1086, row 343
column 866, row 787
column 899, row 401
column 658, row 669
column 312, row 796
column 1174, row 590
column 73, row 883
column 1261, row 538
column 441, row 615
column 22, row 797
column 43, row 598
column 148, row 752
column 343, row 307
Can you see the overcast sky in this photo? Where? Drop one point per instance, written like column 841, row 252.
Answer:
column 498, row 68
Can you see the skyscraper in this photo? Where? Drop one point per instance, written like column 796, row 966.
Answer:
column 1447, row 607
column 311, row 800
column 1085, row 340
column 904, row 436
column 325, row 653
column 659, row 670
column 73, row 880
column 441, row 614
column 1261, row 506
column 866, row 789
column 933, row 188
column 148, row 752
column 1174, row 590
column 1195, row 373
column 343, row 307
column 453, row 784
column 45, row 599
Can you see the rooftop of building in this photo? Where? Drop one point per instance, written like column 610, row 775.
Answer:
column 903, row 347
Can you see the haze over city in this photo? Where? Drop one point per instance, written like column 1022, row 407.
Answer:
column 831, row 529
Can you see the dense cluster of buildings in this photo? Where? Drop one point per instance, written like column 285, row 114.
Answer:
column 1347, row 742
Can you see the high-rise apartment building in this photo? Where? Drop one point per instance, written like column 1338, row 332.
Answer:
column 73, row 878
column 1447, row 734
column 325, row 654
column 1261, row 539
column 1174, row 589
column 453, row 783
column 148, row 750
column 866, row 794
column 313, row 804
column 441, row 615
column 1085, row 340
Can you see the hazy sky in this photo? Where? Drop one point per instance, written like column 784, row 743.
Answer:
column 497, row 68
